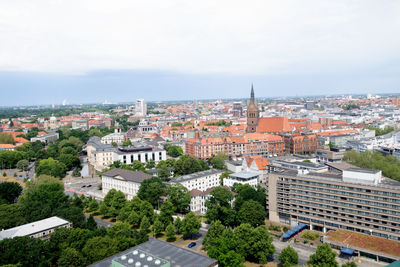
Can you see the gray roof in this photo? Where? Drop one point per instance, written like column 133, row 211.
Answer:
column 96, row 142
column 33, row 227
column 176, row 256
column 362, row 170
column 244, row 175
column 195, row 175
column 132, row 176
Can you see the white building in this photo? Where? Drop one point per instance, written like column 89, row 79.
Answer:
column 198, row 200
column 249, row 178
column 100, row 155
column 141, row 152
column 128, row 182
column 140, row 108
column 117, row 138
column 199, row 180
column 46, row 138
column 39, row 229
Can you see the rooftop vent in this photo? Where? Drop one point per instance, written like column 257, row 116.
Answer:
column 130, row 261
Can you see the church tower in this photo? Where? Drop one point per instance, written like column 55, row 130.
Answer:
column 252, row 114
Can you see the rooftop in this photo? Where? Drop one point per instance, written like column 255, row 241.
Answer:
column 127, row 175
column 244, row 175
column 32, row 228
column 195, row 175
column 176, row 256
column 364, row 242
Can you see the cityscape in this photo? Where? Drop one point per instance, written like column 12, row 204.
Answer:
column 218, row 139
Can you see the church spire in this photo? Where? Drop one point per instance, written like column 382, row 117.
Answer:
column 252, row 93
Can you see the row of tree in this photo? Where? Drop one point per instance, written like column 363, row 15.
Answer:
column 248, row 206
column 389, row 165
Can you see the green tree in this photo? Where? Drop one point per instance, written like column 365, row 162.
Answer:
column 261, row 246
column 218, row 161
column 150, row 164
column 127, row 143
column 174, row 151
column 178, row 225
column 231, row 258
column 170, row 233
column 190, row 224
column 51, row 167
column 349, row 264
column 137, row 166
column 151, row 190
column 145, row 225
column 11, row 215
column 24, row 250
column 179, row 196
column 246, row 192
column 163, row 173
column 166, row 211
column 9, row 191
column 71, row 258
column 23, row 164
column 219, row 206
column 289, row 257
column 91, row 223
column 215, row 231
column 99, row 247
column 324, row 256
column 70, row 161
column 69, row 150
column 187, row 165
column 157, row 228
column 251, row 212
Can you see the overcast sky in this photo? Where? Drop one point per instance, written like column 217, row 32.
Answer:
column 120, row 50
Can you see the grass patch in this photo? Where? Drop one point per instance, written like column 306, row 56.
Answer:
column 310, row 235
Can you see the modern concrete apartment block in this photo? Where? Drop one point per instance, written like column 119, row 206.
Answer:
column 357, row 200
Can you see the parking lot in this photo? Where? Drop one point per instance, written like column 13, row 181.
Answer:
column 86, row 186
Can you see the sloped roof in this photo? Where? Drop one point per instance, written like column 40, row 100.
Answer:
column 273, row 125
column 132, row 176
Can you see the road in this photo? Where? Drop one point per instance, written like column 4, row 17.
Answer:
column 100, row 222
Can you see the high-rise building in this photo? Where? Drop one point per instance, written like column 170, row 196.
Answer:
column 252, row 114
column 140, row 108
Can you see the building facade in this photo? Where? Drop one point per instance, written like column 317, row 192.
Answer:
column 39, row 229
column 250, row 178
column 47, row 139
column 128, row 182
column 199, row 180
column 357, row 200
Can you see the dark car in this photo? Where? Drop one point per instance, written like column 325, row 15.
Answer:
column 89, row 185
column 83, row 186
column 192, row 245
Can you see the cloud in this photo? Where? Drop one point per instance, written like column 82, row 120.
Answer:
column 254, row 37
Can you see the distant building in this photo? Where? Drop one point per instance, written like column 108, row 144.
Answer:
column 47, row 139
column 140, row 108
column 142, row 152
column 353, row 199
column 199, row 180
column 116, row 137
column 9, row 147
column 330, row 154
column 198, row 200
column 128, row 182
column 100, row 155
column 157, row 253
column 39, row 229
column 250, row 178
column 80, row 124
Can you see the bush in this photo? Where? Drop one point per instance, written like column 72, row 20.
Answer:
column 310, row 235
column 275, row 228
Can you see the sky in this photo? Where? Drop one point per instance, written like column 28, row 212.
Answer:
column 88, row 51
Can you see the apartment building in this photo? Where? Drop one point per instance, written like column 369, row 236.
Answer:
column 199, row 180
column 116, row 137
column 100, row 155
column 250, row 178
column 141, row 152
column 39, row 229
column 198, row 200
column 128, row 182
column 354, row 199
column 47, row 139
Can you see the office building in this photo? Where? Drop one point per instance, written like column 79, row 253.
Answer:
column 199, row 180
column 128, row 182
column 353, row 199
column 250, row 178
column 39, row 229
column 140, row 108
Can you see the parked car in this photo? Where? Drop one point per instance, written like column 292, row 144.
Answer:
column 192, row 245
column 89, row 185
column 83, row 186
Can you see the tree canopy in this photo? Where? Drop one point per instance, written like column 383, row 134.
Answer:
column 151, row 190
column 289, row 257
column 179, row 197
column 324, row 256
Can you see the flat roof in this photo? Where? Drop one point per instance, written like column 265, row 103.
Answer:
column 244, row 175
column 363, row 170
column 127, row 175
column 195, row 175
column 177, row 256
column 364, row 242
column 33, row 227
